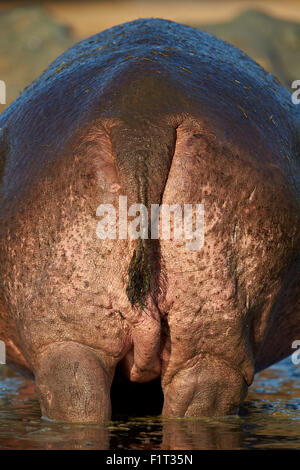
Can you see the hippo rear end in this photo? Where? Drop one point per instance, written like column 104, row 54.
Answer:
column 150, row 112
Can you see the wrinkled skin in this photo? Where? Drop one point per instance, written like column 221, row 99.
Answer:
column 158, row 112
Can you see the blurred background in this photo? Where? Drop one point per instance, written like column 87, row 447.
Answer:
column 33, row 34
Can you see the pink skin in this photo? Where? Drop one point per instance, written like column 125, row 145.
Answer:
column 216, row 317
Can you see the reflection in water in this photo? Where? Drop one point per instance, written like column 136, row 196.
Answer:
column 269, row 419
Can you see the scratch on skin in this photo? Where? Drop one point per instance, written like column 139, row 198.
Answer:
column 236, row 286
column 147, row 58
column 185, row 69
column 252, row 194
column 63, row 66
column 243, row 111
column 76, row 365
column 234, row 233
column 130, row 58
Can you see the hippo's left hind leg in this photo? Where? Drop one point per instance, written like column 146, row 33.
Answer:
column 72, row 384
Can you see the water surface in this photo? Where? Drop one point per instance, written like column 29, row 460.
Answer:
column 269, row 419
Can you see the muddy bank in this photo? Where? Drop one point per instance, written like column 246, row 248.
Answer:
column 273, row 43
column 30, row 39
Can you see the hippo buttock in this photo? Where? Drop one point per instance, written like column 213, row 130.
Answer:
column 155, row 114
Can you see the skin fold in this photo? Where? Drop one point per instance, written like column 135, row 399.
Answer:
column 160, row 113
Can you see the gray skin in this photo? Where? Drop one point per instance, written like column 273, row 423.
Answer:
column 157, row 112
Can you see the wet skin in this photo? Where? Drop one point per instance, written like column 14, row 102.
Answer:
column 157, row 112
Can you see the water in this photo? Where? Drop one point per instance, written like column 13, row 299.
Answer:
column 269, row 419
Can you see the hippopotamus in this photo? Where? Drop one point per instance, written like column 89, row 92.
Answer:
column 160, row 114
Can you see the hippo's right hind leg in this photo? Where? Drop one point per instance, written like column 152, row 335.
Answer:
column 72, row 384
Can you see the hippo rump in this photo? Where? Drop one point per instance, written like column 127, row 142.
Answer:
column 151, row 112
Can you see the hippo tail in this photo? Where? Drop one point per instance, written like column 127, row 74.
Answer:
column 143, row 153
